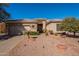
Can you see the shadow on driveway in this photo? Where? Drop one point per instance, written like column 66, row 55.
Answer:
column 72, row 36
column 5, row 37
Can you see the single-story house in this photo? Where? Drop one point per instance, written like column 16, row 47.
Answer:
column 39, row 25
column 2, row 27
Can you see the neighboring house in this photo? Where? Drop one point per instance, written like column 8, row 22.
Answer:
column 39, row 25
column 2, row 27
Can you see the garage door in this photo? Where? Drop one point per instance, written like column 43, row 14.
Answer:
column 18, row 29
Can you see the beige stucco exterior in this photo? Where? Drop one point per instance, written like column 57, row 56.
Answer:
column 33, row 27
column 20, row 26
column 53, row 27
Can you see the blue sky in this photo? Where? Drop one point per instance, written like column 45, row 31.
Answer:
column 43, row 10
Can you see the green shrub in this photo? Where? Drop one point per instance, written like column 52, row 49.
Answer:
column 30, row 33
column 33, row 33
column 51, row 31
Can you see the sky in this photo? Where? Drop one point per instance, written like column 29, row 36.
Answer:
column 43, row 10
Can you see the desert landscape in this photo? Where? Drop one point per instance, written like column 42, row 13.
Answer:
column 43, row 45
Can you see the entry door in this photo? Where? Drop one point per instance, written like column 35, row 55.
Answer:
column 40, row 28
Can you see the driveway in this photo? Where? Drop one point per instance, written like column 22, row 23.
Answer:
column 49, row 46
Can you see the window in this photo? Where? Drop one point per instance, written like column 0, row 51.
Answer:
column 59, row 27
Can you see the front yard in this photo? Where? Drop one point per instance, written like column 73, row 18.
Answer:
column 43, row 45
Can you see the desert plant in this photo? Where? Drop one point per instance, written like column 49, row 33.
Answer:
column 55, row 34
column 28, row 34
column 24, row 32
column 51, row 31
column 46, row 32
column 33, row 33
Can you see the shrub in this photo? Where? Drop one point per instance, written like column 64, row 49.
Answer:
column 55, row 34
column 2, row 32
column 33, row 33
column 44, row 31
column 30, row 33
column 63, row 33
column 51, row 31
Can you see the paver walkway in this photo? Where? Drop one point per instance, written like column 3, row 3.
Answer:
column 50, row 46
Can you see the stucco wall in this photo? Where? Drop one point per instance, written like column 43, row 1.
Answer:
column 53, row 27
column 44, row 25
column 32, row 26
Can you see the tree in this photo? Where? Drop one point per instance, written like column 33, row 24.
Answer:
column 70, row 24
column 4, row 15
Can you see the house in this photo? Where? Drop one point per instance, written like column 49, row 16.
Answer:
column 2, row 27
column 38, row 25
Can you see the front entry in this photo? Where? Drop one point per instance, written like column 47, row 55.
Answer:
column 40, row 28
